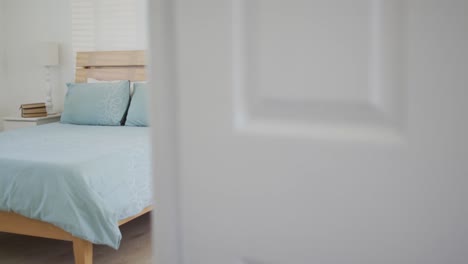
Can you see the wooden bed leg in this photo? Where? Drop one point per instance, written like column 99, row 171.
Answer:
column 83, row 251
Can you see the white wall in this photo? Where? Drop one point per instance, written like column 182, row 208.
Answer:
column 2, row 61
column 29, row 23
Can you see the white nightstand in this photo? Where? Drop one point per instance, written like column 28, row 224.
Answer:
column 10, row 123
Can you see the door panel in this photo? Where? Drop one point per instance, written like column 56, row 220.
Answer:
column 320, row 68
column 314, row 131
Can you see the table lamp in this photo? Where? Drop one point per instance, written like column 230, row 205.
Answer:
column 49, row 59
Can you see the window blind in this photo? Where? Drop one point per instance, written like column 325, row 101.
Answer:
column 108, row 25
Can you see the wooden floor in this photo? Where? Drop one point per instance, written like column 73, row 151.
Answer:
column 135, row 247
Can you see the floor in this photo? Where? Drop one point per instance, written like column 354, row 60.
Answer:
column 135, row 247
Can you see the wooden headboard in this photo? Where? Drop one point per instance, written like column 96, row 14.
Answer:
column 110, row 65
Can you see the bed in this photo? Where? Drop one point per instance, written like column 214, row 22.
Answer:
column 73, row 182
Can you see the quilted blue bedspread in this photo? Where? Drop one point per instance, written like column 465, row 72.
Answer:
column 83, row 179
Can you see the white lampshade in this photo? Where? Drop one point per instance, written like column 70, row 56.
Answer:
column 49, row 53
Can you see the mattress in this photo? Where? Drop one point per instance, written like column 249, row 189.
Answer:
column 83, row 179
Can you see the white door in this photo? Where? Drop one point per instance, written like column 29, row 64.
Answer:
column 310, row 131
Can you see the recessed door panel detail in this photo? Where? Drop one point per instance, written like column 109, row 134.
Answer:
column 328, row 68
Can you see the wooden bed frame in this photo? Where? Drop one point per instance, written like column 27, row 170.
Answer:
column 100, row 65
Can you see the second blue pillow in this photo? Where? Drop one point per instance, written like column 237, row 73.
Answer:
column 138, row 110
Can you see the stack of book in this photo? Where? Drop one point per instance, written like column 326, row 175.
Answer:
column 33, row 110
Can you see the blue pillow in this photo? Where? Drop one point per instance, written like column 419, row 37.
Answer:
column 101, row 104
column 138, row 111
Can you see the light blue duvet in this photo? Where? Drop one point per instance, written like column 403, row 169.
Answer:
column 83, row 179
